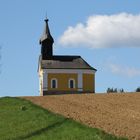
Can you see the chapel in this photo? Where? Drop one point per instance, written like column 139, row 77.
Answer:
column 62, row 74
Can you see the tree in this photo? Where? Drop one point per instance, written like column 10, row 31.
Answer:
column 122, row 90
column 111, row 90
column 108, row 90
column 114, row 90
column 138, row 89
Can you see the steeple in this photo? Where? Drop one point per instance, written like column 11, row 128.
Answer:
column 46, row 42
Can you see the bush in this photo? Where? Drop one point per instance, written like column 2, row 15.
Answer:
column 23, row 108
column 138, row 89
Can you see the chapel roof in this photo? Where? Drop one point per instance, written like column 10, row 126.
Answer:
column 65, row 62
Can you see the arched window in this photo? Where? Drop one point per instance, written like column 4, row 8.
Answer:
column 71, row 83
column 54, row 83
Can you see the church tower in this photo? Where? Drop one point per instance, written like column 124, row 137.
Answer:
column 46, row 42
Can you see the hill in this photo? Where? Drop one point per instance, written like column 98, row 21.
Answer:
column 22, row 120
column 118, row 114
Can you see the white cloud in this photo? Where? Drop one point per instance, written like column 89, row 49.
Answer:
column 124, row 70
column 100, row 31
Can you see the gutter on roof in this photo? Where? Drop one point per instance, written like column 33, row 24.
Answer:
column 74, row 68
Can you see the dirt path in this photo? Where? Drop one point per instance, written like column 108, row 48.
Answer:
column 117, row 114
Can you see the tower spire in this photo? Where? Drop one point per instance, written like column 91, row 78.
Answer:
column 46, row 42
column 46, row 33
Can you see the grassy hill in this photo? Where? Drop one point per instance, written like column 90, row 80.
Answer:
column 22, row 120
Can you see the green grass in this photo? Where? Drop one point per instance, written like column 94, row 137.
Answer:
column 22, row 120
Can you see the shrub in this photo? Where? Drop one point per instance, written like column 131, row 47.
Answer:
column 138, row 89
column 23, row 108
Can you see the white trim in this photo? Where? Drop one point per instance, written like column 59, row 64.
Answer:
column 44, row 89
column 71, row 79
column 69, row 71
column 44, row 80
column 52, row 83
column 80, row 89
column 80, row 81
column 40, row 86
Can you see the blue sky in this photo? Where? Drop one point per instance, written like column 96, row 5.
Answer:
column 115, row 56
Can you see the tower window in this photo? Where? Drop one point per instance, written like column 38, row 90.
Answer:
column 54, row 83
column 71, row 83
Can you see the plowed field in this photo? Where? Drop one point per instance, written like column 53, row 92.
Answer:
column 118, row 114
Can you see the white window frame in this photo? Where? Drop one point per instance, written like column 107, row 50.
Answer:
column 52, row 83
column 73, row 83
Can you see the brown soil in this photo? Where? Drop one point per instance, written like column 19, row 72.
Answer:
column 118, row 114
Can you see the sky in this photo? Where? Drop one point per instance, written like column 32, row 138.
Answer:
column 105, row 33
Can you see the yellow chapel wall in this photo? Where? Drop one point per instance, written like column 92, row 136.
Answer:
column 88, row 82
column 62, row 81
